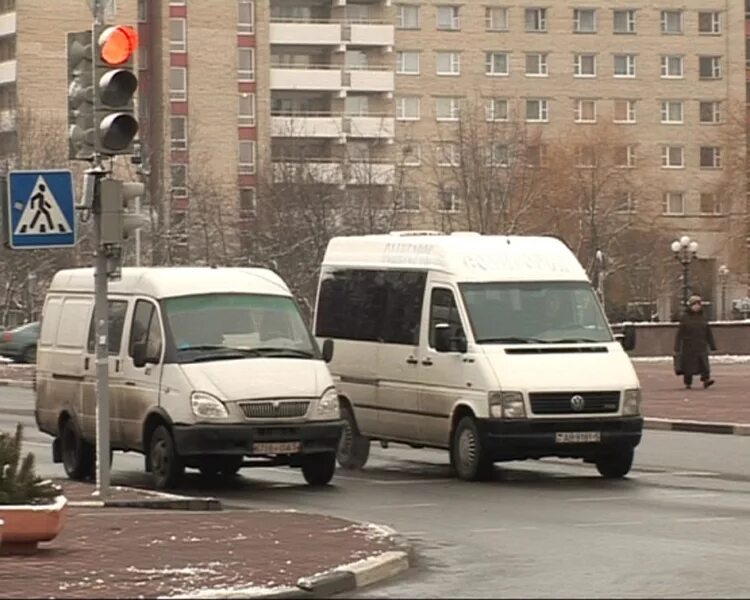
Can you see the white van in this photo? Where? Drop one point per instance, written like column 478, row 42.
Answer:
column 209, row 368
column 493, row 347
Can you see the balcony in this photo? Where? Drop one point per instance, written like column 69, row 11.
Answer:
column 306, row 33
column 378, row 127
column 370, row 80
column 7, row 24
column 370, row 173
column 7, row 71
column 8, row 120
column 310, row 125
column 371, row 34
column 314, row 170
column 322, row 78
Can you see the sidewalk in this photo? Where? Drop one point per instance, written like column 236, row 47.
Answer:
column 132, row 553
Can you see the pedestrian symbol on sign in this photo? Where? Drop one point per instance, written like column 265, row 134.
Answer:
column 42, row 214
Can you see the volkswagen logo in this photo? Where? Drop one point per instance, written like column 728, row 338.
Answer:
column 577, row 403
column 276, row 406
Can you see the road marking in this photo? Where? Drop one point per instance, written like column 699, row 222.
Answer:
column 390, row 506
column 678, row 473
column 490, row 530
column 407, row 481
column 609, row 524
column 704, row 519
column 698, row 495
column 600, row 498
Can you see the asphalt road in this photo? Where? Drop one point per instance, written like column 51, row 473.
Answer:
column 679, row 526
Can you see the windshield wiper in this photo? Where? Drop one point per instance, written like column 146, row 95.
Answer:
column 284, row 352
column 575, row 340
column 510, row 340
column 217, row 352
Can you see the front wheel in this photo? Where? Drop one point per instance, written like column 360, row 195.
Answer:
column 354, row 449
column 318, row 469
column 166, row 465
column 468, row 457
column 615, row 463
column 78, row 455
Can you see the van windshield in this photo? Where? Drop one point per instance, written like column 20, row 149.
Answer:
column 226, row 326
column 535, row 312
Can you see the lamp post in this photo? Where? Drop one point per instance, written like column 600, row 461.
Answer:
column 685, row 250
column 723, row 279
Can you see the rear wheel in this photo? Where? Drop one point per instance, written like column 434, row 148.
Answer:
column 318, row 469
column 468, row 457
column 166, row 465
column 354, row 449
column 615, row 463
column 78, row 455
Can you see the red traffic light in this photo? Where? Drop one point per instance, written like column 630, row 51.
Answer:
column 117, row 44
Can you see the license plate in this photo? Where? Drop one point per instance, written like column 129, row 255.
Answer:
column 276, row 448
column 577, row 437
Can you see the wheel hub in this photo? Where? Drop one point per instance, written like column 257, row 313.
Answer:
column 467, row 449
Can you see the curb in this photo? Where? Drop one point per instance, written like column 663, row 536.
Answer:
column 155, row 501
column 697, row 426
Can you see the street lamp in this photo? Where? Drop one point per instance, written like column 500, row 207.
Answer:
column 723, row 278
column 684, row 250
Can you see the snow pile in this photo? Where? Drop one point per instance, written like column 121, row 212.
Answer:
column 240, row 591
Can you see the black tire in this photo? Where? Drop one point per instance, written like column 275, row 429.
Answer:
column 615, row 463
column 223, row 467
column 354, row 449
column 167, row 468
column 468, row 457
column 318, row 469
column 78, row 455
column 29, row 355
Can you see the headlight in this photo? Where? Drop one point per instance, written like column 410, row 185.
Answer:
column 327, row 406
column 207, row 406
column 631, row 402
column 507, row 405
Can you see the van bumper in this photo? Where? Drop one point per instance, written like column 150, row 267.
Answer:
column 536, row 438
column 238, row 440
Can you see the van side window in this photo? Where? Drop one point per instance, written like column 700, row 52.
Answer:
column 146, row 328
column 117, row 311
column 443, row 309
column 404, row 314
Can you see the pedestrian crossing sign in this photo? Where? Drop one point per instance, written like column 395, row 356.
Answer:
column 41, row 209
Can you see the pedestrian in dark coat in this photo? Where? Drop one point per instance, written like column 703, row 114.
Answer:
column 693, row 340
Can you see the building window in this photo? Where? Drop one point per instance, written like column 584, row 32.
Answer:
column 177, row 41
column 624, row 202
column 674, row 203
column 411, row 154
column 407, row 108
column 247, row 157
column 448, row 201
column 537, row 110
column 671, row 112
column 448, row 63
column 245, row 16
column 178, row 128
column 585, row 111
column 448, row 18
column 624, row 65
column 710, row 112
column 246, row 110
column 709, row 23
column 496, row 109
column 672, row 67
column 623, row 21
column 625, row 156
column 536, row 156
column 499, row 155
column 624, row 111
column 709, row 67
column 710, row 204
column 178, row 178
column 536, row 65
column 246, row 64
column 584, row 20
column 448, row 154
column 407, row 63
column 177, row 83
column 710, row 157
column 248, row 203
column 536, row 19
column 672, row 157
column 408, row 200
column 407, row 16
column 584, row 65
column 671, row 22
column 447, row 109
column 496, row 18
column 496, row 63
column 585, row 156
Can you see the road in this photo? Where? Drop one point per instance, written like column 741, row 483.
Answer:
column 678, row 526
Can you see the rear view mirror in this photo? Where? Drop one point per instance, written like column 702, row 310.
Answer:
column 627, row 338
column 139, row 355
column 327, row 350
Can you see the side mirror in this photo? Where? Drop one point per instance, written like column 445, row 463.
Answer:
column 442, row 337
column 139, row 355
column 327, row 350
column 627, row 338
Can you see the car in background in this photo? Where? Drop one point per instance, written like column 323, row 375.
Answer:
column 20, row 343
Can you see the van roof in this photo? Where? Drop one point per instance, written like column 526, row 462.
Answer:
column 166, row 282
column 467, row 256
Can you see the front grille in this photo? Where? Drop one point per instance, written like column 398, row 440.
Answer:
column 562, row 403
column 278, row 409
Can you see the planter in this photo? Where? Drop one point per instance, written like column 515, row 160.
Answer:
column 25, row 525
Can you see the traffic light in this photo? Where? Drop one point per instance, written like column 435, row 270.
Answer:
column 80, row 96
column 115, row 84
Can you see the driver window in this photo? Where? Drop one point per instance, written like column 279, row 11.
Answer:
column 146, row 328
column 443, row 309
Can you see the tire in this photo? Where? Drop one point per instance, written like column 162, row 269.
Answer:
column 223, row 467
column 469, row 459
column 615, row 463
column 167, row 468
column 354, row 449
column 78, row 455
column 318, row 469
column 29, row 355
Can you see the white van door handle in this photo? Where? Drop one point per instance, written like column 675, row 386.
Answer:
column 411, row 361
column 427, row 362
